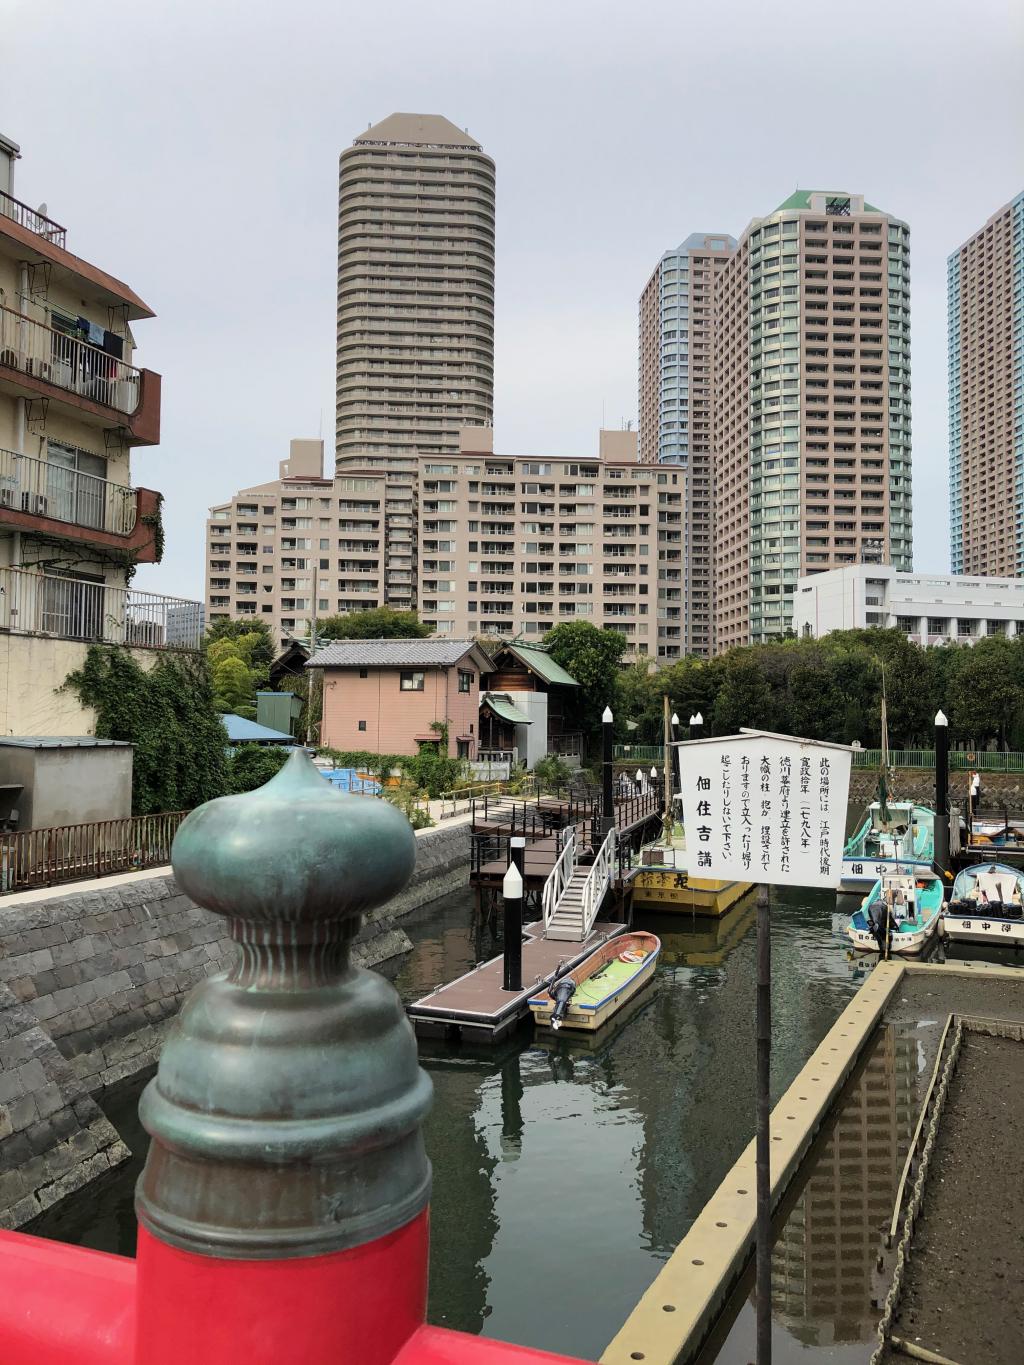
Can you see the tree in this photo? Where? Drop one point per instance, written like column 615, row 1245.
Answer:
column 234, row 673
column 591, row 656
column 745, row 697
column 251, row 765
column 258, row 651
column 376, row 623
column 986, row 696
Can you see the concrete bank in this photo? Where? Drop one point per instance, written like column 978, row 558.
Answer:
column 92, row 975
column 676, row 1313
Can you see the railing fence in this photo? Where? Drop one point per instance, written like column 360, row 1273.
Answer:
column 64, row 853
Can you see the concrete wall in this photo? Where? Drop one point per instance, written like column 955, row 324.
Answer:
column 92, row 977
column 32, row 670
column 69, row 786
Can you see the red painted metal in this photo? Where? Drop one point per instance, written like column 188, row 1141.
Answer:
column 62, row 1305
column 352, row 1306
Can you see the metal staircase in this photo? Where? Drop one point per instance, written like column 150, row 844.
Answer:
column 573, row 894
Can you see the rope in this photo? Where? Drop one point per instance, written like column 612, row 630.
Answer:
column 916, row 1197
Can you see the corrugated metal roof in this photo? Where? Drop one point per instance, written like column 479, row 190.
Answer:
column 543, row 665
column 242, row 731
column 61, row 742
column 502, row 705
column 397, row 654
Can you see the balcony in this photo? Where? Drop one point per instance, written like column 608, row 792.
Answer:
column 37, row 496
column 91, row 384
column 96, row 613
column 33, row 220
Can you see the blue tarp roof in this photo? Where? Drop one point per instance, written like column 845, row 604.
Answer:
column 242, row 731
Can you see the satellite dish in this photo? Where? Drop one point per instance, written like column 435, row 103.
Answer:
column 42, row 210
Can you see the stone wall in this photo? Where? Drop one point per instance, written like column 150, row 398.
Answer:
column 93, row 975
column 918, row 784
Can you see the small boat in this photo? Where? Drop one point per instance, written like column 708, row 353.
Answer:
column 901, row 912
column 892, row 835
column 590, row 994
column 986, row 906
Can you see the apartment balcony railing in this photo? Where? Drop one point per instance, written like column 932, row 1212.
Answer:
column 37, row 350
column 50, row 490
column 33, row 220
column 76, row 609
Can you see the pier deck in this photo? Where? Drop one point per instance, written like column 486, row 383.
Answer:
column 475, row 1005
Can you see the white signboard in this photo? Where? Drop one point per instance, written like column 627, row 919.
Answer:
column 759, row 807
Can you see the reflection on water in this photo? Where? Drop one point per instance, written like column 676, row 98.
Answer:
column 565, row 1170
column 825, row 1271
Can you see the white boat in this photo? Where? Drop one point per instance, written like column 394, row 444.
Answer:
column 906, row 840
column 986, row 906
column 901, row 911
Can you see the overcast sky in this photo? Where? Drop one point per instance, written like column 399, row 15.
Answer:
column 191, row 148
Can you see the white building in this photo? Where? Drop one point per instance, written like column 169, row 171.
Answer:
column 930, row 608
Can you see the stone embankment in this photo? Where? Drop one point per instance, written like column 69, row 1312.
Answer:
column 91, row 976
column 918, row 784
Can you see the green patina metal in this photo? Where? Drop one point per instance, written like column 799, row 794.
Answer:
column 285, row 1115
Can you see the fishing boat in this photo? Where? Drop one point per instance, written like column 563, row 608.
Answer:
column 986, row 906
column 899, row 914
column 588, row 996
column 661, row 880
column 892, row 835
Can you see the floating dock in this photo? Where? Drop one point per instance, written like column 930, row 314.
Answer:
column 475, row 1006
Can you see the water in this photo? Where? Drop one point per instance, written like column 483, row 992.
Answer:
column 566, row 1171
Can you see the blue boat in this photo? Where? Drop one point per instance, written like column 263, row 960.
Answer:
column 899, row 914
column 893, row 836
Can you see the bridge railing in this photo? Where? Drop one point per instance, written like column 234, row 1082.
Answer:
column 597, row 882
column 66, row 853
column 558, row 877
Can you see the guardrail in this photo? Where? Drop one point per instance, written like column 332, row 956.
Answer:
column 33, row 220
column 98, row 613
column 559, row 877
column 639, row 753
column 66, row 361
column 50, row 490
column 65, row 853
column 986, row 761
column 598, row 881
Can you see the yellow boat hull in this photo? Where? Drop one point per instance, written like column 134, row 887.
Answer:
column 667, row 890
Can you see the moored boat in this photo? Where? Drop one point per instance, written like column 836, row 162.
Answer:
column 986, row 906
column 662, row 881
column 900, row 914
column 588, row 996
column 892, row 835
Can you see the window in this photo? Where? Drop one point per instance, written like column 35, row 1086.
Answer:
column 362, row 725
column 465, row 685
column 364, row 672
column 410, row 681
column 462, row 748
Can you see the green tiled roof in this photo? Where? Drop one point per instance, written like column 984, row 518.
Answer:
column 504, row 709
column 801, row 199
column 541, row 663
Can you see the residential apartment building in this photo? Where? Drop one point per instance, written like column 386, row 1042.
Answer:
column 415, row 339
column 73, row 408
column 811, row 407
column 676, row 388
column 511, row 545
column 932, row 609
column 489, row 545
column 985, row 286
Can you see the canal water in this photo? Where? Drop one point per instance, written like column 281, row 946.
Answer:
column 566, row 1171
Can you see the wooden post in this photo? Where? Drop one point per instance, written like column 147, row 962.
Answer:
column 607, row 798
column 763, row 1253
column 668, row 735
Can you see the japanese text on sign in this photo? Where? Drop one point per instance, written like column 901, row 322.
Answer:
column 765, row 808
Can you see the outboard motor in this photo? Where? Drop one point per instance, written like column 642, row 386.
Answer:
column 561, row 993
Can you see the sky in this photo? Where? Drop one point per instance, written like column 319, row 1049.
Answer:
column 191, row 149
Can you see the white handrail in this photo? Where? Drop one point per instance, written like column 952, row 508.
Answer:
column 597, row 882
column 559, row 876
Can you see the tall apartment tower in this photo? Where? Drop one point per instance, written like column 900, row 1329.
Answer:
column 811, row 406
column 985, row 283
column 415, row 359
column 677, row 314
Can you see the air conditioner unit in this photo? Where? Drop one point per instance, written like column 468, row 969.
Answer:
column 7, row 496
column 36, row 503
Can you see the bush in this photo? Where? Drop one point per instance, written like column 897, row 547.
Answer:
column 251, row 765
column 552, row 772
